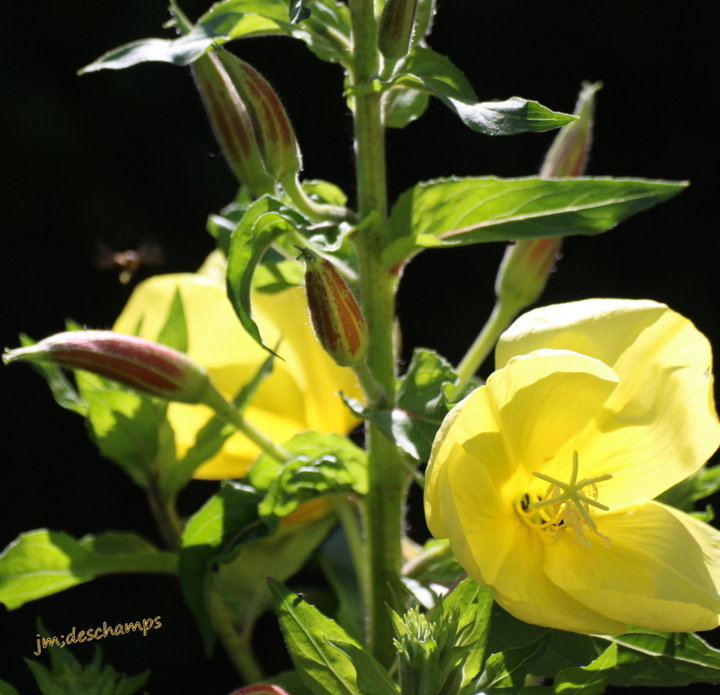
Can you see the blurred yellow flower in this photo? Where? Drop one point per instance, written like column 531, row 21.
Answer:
column 543, row 478
column 300, row 394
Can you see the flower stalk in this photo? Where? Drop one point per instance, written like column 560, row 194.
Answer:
column 387, row 478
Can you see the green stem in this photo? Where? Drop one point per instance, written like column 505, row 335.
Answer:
column 350, row 523
column 502, row 314
column 237, row 644
column 227, row 412
column 165, row 516
column 306, row 205
column 387, row 479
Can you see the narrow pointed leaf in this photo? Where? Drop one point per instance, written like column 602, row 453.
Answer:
column 309, row 636
column 456, row 212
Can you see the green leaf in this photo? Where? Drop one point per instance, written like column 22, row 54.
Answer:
column 436, row 74
column 42, row 562
column 211, row 438
column 326, row 31
column 174, row 331
column 212, row 536
column 402, row 105
column 647, row 658
column 311, row 446
column 421, row 405
column 181, row 51
column 470, row 605
column 298, row 11
column 506, row 671
column 62, row 390
column 241, row 582
column 129, row 428
column 456, row 212
column 565, row 649
column 329, row 464
column 265, row 220
column 7, row 689
column 371, row 676
column 311, row 638
column 69, row 677
column 589, row 680
column 686, row 493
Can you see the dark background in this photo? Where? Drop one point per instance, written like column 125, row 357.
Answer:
column 123, row 156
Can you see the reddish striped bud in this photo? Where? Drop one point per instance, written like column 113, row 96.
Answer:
column 232, row 124
column 260, row 689
column 335, row 313
column 276, row 135
column 140, row 364
column 526, row 266
column 396, row 28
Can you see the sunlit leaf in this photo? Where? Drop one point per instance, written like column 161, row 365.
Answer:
column 456, row 212
column 314, row 643
column 42, row 562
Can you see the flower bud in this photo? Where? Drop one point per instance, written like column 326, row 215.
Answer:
column 232, row 124
column 567, row 155
column 260, row 689
column 335, row 313
column 276, row 135
column 140, row 364
column 526, row 266
column 396, row 28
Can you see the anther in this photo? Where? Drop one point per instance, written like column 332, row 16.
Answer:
column 572, row 492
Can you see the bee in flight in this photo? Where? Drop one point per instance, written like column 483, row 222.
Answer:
column 130, row 261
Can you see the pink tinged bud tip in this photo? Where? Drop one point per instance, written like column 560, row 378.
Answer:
column 134, row 362
column 260, row 689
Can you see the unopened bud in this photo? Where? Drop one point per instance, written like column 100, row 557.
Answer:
column 568, row 154
column 140, row 364
column 335, row 313
column 396, row 28
column 260, row 689
column 276, row 135
column 526, row 266
column 232, row 124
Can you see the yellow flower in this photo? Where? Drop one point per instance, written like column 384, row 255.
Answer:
column 300, row 394
column 543, row 479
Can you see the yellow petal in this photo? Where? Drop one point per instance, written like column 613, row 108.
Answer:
column 531, row 408
column 498, row 549
column 659, row 569
column 660, row 425
column 542, row 400
column 300, row 394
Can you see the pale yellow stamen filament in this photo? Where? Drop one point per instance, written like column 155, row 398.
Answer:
column 572, row 492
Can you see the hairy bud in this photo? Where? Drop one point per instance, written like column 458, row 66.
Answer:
column 526, row 266
column 140, row 364
column 232, row 123
column 396, row 28
column 276, row 135
column 335, row 313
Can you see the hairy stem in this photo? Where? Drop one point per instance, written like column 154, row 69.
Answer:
column 387, row 478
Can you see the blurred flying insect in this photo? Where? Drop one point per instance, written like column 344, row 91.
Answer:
column 130, row 261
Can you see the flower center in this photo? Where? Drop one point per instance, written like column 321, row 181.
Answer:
column 563, row 505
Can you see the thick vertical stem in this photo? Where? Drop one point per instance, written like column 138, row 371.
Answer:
column 383, row 522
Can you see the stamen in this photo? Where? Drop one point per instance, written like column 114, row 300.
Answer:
column 560, row 492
